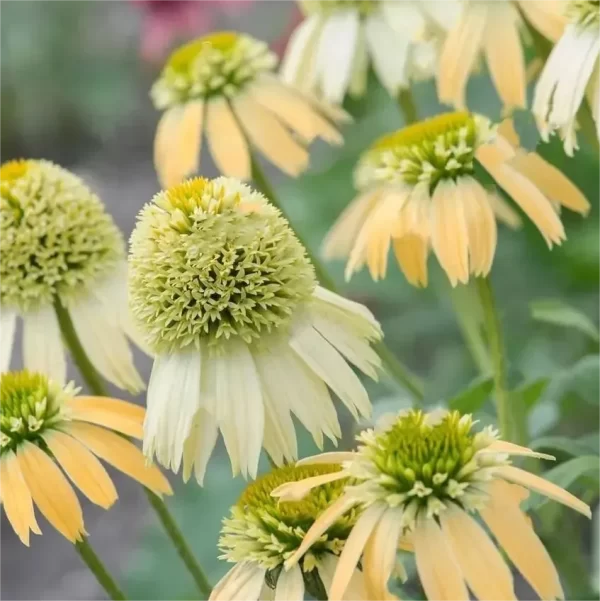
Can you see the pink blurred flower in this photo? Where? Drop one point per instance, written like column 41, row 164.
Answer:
column 164, row 22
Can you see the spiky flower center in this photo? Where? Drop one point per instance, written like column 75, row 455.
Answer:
column 267, row 531
column 219, row 64
column 56, row 238
column 29, row 405
column 327, row 7
column 585, row 13
column 421, row 464
column 212, row 259
column 442, row 147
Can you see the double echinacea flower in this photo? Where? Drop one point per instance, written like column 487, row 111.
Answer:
column 429, row 483
column 242, row 334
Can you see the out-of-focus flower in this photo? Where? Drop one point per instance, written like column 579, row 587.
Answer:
column 262, row 533
column 331, row 50
column 167, row 21
column 420, row 188
column 494, row 28
column 571, row 74
column 420, row 476
column 222, row 85
column 45, row 427
column 62, row 257
column 243, row 335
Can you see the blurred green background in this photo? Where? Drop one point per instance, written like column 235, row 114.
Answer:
column 75, row 79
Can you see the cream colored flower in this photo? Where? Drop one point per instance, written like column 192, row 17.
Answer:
column 222, row 85
column 242, row 333
column 433, row 480
column 331, row 51
column 62, row 267
column 570, row 75
column 45, row 427
column 261, row 534
column 494, row 27
column 422, row 188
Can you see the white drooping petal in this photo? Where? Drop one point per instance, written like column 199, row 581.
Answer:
column 280, row 435
column 172, row 403
column 335, row 54
column 8, row 323
column 104, row 342
column 355, row 590
column 43, row 349
column 199, row 445
column 404, row 17
column 290, row 585
column 298, row 66
column 242, row 583
column 327, row 363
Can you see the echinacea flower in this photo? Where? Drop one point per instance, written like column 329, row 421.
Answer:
column 261, row 534
column 45, row 427
column 243, row 336
column 422, row 187
column 222, row 85
column 62, row 258
column 431, row 479
column 494, row 27
column 570, row 75
column 166, row 21
column 332, row 49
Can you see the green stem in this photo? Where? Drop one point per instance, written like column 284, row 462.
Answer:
column 97, row 568
column 497, row 355
column 406, row 102
column 392, row 365
column 97, row 387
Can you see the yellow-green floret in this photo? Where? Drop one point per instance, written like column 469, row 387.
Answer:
column 584, row 13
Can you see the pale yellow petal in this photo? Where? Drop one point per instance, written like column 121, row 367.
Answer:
column 449, row 234
column 115, row 414
column 16, row 498
column 438, row 568
column 267, row 134
column 330, row 457
column 514, row 533
column 504, row 53
column 321, row 524
column 510, row 448
column 411, row 253
column 495, row 153
column 165, row 145
column 190, row 139
column 507, row 130
column 547, row 16
column 544, row 487
column 295, row 491
column 120, row 453
column 227, row 144
column 503, row 211
column 551, row 181
column 485, row 571
column 51, row 491
column 353, row 549
column 82, row 467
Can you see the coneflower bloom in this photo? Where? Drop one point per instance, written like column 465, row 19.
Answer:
column 494, row 27
column 422, row 187
column 262, row 533
column 433, row 480
column 45, row 427
column 331, row 51
column 222, row 85
column 570, row 75
column 242, row 334
column 62, row 257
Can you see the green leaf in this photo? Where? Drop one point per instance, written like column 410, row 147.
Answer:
column 529, row 393
column 581, row 379
column 563, row 444
column 558, row 313
column 472, row 398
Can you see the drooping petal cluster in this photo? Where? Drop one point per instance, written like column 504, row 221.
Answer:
column 222, row 85
column 419, row 188
column 494, row 28
column 331, row 51
column 262, row 533
column 60, row 251
column 571, row 75
column 430, row 479
column 45, row 427
column 242, row 334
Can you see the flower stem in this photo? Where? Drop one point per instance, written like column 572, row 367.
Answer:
column 406, row 102
column 97, row 568
column 497, row 355
column 97, row 387
column 394, row 368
